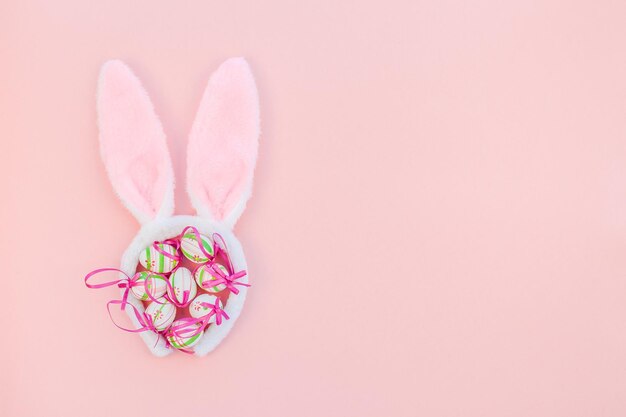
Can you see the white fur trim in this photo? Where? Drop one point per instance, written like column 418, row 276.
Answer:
column 230, row 220
column 161, row 229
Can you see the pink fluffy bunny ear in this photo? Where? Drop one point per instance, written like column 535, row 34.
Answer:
column 223, row 144
column 132, row 143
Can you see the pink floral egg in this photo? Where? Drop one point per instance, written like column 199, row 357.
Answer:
column 162, row 313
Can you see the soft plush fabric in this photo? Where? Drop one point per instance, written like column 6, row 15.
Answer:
column 222, row 152
column 132, row 143
column 223, row 144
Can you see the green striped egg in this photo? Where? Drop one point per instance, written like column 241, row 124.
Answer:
column 155, row 261
column 161, row 313
column 181, row 341
column 156, row 285
column 190, row 248
column 205, row 274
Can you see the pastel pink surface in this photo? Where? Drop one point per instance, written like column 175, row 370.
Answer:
column 458, row 169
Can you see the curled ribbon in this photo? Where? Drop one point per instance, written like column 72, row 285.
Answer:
column 229, row 280
column 198, row 236
column 220, row 246
column 127, row 282
column 176, row 257
column 185, row 327
column 145, row 320
column 176, row 242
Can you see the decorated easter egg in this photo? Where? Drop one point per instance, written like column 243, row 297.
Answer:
column 197, row 309
column 182, row 281
column 185, row 336
column 205, row 274
column 191, row 249
column 155, row 261
column 156, row 286
column 162, row 313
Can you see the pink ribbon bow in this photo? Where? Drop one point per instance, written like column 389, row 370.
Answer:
column 127, row 282
column 229, row 280
column 187, row 327
column 216, row 310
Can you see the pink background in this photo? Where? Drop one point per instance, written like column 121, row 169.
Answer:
column 438, row 226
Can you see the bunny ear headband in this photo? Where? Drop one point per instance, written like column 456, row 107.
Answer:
column 172, row 258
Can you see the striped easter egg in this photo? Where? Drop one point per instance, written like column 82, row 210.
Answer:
column 204, row 274
column 156, row 286
column 180, row 340
column 162, row 315
column 155, row 261
column 182, row 280
column 197, row 310
column 191, row 249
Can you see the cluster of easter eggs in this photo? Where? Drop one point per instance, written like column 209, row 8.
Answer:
column 164, row 303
